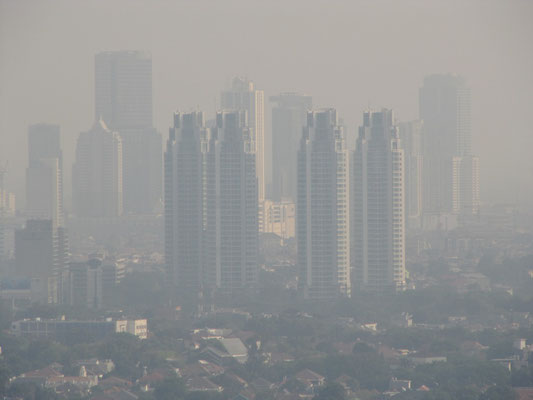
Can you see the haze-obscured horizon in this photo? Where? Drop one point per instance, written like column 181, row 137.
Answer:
column 350, row 55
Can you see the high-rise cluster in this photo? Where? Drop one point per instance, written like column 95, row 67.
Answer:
column 347, row 208
column 211, row 205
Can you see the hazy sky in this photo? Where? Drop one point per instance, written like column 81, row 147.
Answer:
column 347, row 54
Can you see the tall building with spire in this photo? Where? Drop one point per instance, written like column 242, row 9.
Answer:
column 377, row 206
column 123, row 100
column 97, row 173
column 289, row 117
column 244, row 96
column 184, row 205
column 322, row 209
column 451, row 182
column 44, row 175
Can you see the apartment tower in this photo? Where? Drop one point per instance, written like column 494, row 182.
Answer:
column 322, row 209
column 184, row 204
column 377, row 207
column 244, row 96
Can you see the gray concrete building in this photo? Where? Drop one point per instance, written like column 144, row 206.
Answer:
column 289, row 117
column 97, row 173
column 445, row 108
column 322, row 209
column 44, row 175
column 377, row 206
column 184, row 205
column 123, row 100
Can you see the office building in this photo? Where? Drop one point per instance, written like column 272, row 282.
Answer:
column 411, row 138
column 377, row 206
column 123, row 100
column 41, row 257
column 231, row 220
column 289, row 117
column 244, row 96
column 445, row 109
column 184, row 204
column 322, row 214
column 44, row 175
column 97, row 173
column 93, row 282
column 86, row 284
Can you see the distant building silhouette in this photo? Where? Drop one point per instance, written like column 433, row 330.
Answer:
column 44, row 175
column 123, row 99
column 243, row 96
column 41, row 256
column 322, row 213
column 451, row 183
column 289, row 117
column 412, row 141
column 185, row 205
column 232, row 205
column 377, row 206
column 97, row 173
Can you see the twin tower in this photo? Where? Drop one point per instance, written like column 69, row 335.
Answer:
column 350, row 224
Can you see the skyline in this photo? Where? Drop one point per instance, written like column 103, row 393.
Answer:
column 64, row 95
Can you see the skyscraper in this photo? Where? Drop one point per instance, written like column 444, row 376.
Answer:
column 97, row 173
column 445, row 110
column 123, row 99
column 184, row 204
column 243, row 96
column 232, row 204
column 377, row 206
column 289, row 117
column 123, row 89
column 412, row 143
column 322, row 210
column 44, row 175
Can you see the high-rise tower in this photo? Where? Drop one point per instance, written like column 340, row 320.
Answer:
column 97, row 173
column 244, row 96
column 44, row 175
column 377, row 206
column 184, row 205
column 289, row 117
column 411, row 136
column 445, row 110
column 123, row 100
column 232, row 241
column 322, row 209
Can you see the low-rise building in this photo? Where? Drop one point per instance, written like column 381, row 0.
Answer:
column 62, row 329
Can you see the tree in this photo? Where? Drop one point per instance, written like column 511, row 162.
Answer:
column 170, row 389
column 499, row 393
column 332, row 391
